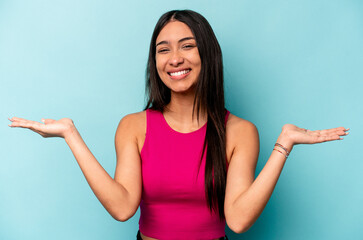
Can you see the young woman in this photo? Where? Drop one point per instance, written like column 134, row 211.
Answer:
column 186, row 161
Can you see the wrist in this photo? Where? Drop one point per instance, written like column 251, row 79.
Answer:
column 70, row 131
column 285, row 141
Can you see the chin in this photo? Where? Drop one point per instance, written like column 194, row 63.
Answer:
column 185, row 90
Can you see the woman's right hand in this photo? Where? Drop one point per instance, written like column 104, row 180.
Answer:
column 49, row 127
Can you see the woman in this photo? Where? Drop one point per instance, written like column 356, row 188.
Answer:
column 186, row 161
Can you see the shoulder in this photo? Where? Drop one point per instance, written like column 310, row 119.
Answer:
column 134, row 118
column 239, row 127
column 133, row 124
column 241, row 138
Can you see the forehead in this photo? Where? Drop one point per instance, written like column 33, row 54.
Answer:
column 174, row 31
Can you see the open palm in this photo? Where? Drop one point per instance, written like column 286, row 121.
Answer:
column 49, row 127
column 304, row 136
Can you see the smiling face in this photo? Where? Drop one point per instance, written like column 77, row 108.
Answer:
column 177, row 58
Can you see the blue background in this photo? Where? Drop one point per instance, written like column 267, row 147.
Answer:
column 294, row 62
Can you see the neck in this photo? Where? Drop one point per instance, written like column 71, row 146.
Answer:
column 180, row 109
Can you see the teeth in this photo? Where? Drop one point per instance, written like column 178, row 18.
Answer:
column 179, row 73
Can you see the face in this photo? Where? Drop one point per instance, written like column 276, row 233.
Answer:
column 177, row 58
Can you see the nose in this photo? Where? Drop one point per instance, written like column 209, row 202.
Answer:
column 176, row 59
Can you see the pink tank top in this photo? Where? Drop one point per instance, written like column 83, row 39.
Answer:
column 173, row 203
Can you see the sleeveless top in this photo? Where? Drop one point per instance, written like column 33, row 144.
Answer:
column 173, row 203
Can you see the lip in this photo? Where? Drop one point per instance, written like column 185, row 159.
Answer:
column 178, row 77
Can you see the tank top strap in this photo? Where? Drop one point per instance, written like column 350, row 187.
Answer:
column 153, row 128
column 225, row 124
column 154, row 120
column 226, row 117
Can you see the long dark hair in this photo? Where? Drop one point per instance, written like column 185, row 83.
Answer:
column 209, row 96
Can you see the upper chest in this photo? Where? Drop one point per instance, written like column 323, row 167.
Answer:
column 142, row 130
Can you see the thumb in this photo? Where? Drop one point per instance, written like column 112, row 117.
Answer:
column 47, row 121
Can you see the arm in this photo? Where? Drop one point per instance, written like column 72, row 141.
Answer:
column 246, row 197
column 120, row 196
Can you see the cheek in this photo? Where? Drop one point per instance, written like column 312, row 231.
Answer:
column 160, row 70
column 195, row 59
column 197, row 64
column 159, row 65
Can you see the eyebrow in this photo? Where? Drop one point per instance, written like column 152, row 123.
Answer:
column 181, row 40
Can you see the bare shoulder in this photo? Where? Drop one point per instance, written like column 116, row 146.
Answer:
column 133, row 122
column 132, row 127
column 241, row 136
column 240, row 128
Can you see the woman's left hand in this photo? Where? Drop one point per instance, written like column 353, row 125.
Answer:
column 298, row 135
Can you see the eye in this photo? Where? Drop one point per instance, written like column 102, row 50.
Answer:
column 188, row 46
column 162, row 50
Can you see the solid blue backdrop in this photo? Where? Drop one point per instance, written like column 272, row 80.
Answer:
column 294, row 62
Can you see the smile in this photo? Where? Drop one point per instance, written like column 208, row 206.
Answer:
column 179, row 73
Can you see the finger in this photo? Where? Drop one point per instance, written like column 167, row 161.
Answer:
column 339, row 132
column 18, row 119
column 330, row 131
column 47, row 121
column 334, row 129
column 19, row 124
column 321, row 139
column 26, row 124
column 334, row 135
column 342, row 133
